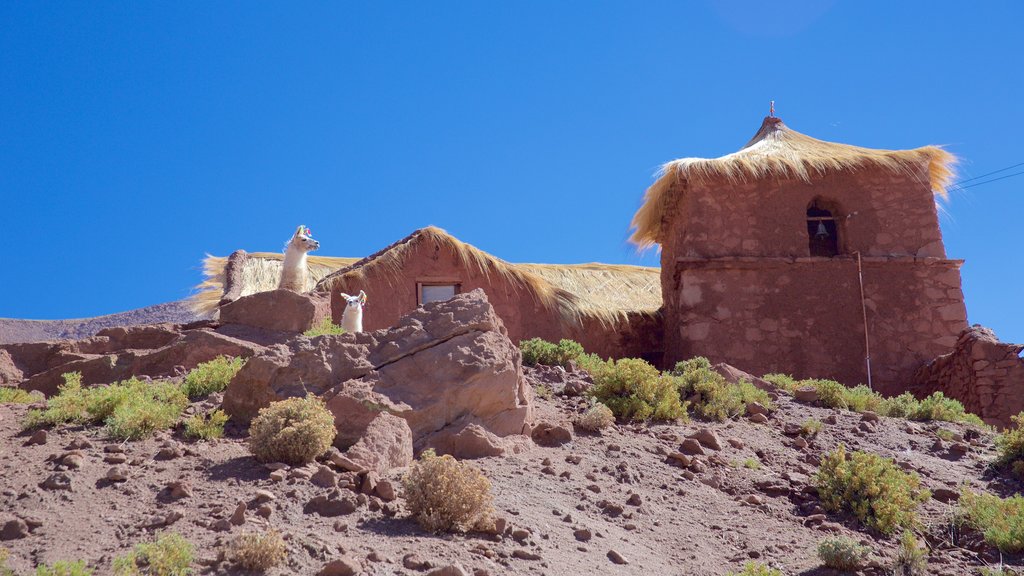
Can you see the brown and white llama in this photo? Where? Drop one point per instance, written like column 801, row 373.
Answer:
column 294, row 270
column 352, row 317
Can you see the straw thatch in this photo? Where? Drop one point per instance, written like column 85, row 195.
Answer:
column 607, row 293
column 260, row 272
column 778, row 151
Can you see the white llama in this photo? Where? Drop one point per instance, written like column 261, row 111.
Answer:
column 294, row 271
column 352, row 318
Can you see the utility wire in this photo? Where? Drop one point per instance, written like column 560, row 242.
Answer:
column 990, row 181
column 990, row 173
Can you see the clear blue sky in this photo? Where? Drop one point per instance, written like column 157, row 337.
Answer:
column 135, row 137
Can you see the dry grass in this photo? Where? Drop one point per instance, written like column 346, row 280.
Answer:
column 258, row 552
column 776, row 151
column 293, row 431
column 446, row 495
column 597, row 417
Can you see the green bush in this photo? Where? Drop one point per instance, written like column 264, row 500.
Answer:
column 811, row 428
column 1001, row 520
column 718, row 399
column 206, row 426
column 910, row 558
column 293, row 431
column 537, row 351
column 11, row 395
column 873, row 488
column 902, row 406
column 635, row 390
column 842, row 553
column 169, row 555
column 1011, row 443
column 860, row 398
column 131, row 409
column 446, row 495
column 4, row 555
column 756, row 569
column 785, row 382
column 64, row 568
column 210, row 377
column 325, row 327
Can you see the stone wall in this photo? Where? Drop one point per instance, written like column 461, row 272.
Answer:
column 984, row 374
column 802, row 316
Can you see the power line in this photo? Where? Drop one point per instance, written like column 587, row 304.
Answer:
column 990, row 181
column 991, row 173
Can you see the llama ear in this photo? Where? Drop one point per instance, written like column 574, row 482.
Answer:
column 298, row 231
column 345, row 296
column 362, row 296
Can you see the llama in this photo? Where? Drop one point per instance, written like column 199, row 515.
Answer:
column 352, row 318
column 294, row 271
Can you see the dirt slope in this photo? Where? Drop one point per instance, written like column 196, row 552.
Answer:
column 13, row 330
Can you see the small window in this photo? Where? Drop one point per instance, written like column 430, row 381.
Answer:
column 822, row 233
column 436, row 292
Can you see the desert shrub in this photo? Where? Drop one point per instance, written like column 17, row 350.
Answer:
column 4, row 555
column 64, row 568
column 635, row 390
column 752, row 464
column 830, row 393
column 169, row 555
column 811, row 428
column 543, row 391
column 446, row 495
column 998, row 571
column 131, row 409
column 945, row 434
column 718, row 399
column 11, row 395
column 206, row 426
column 258, row 552
column 938, row 407
column 210, row 377
column 910, row 558
column 860, row 398
column 901, row 406
column 293, row 431
column 597, row 417
column 1011, row 443
column 537, row 351
column 785, row 382
column 873, row 488
column 842, row 553
column 324, row 328
column 756, row 569
column 1000, row 520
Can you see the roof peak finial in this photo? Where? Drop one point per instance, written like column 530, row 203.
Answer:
column 771, row 109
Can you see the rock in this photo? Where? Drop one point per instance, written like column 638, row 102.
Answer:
column 831, row 419
column 523, row 555
column 169, row 453
column 800, row 443
column 734, row 375
column 329, row 507
column 758, row 418
column 754, row 500
column 808, row 395
column 583, row 534
column 344, row 566
column 679, row 459
column 222, row 525
column 707, row 439
column 57, row 481
column 958, row 449
column 80, row 443
column 10, row 374
column 344, row 462
column 115, row 458
column 278, row 475
column 414, row 562
column 278, row 310
column 772, row 487
column 118, row 474
column 38, row 437
column 74, row 460
column 469, row 442
column 369, row 485
column 945, row 495
column 736, row 443
column 453, row 570
column 756, row 408
column 551, row 435
column 324, row 477
column 868, row 416
column 264, row 510
column 386, row 444
column 179, row 489
column 792, row 429
column 634, row 500
column 446, row 363
column 385, row 490
column 691, row 447
column 238, row 516
column 265, row 496
column 14, row 529
column 616, row 557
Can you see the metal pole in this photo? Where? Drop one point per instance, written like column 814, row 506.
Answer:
column 864, row 313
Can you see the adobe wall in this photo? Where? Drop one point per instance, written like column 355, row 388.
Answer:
column 523, row 315
column 984, row 374
column 802, row 316
column 879, row 213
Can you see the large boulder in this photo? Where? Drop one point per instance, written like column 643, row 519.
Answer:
column 444, row 363
column 278, row 310
column 387, row 444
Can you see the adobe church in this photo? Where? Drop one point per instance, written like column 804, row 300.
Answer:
column 806, row 257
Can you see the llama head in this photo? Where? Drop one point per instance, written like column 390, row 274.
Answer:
column 355, row 302
column 302, row 240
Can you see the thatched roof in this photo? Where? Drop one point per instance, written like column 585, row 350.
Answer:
column 260, row 272
column 607, row 293
column 778, row 151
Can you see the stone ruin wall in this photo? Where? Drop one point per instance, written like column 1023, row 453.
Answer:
column 984, row 374
column 803, row 316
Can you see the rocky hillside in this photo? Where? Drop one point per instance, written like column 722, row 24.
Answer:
column 14, row 330
column 697, row 498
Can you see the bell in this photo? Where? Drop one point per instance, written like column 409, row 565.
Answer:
column 822, row 231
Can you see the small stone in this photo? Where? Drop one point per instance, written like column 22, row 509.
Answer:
column 691, row 447
column 222, row 525
column 238, row 517
column 113, row 448
column 525, row 554
column 370, row 483
column 414, row 562
column 548, row 470
column 340, row 526
column 80, row 443
column 451, row 570
column 707, row 439
column 758, row 418
column 264, row 510
column 800, row 443
column 945, row 495
column 958, row 449
column 169, row 453
column 385, row 490
column 679, row 459
column 736, row 443
column 583, row 534
column 265, row 496
column 634, row 500
column 344, row 566
column 868, row 416
column 115, row 458
column 179, row 489
column 38, row 437
column 14, row 529
column 74, row 460
column 278, row 475
column 831, row 419
column 698, row 466
column 57, row 481
column 594, row 488
column 756, row 408
column 791, row 429
column 344, row 462
column 520, row 535
column 754, row 500
column 616, row 557
column 324, row 477
column 809, row 395
column 118, row 474
column 276, row 466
